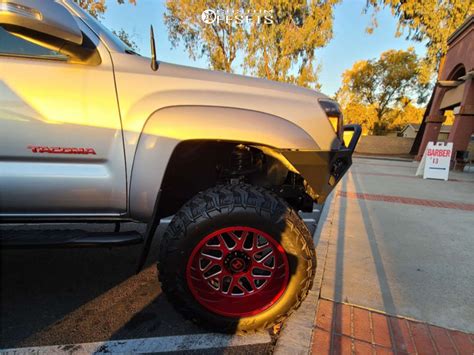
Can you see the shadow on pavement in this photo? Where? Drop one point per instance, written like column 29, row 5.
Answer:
column 61, row 296
column 65, row 296
column 384, row 286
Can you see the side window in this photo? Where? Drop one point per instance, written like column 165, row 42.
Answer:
column 12, row 45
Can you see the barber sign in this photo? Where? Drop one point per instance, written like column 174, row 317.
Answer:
column 436, row 160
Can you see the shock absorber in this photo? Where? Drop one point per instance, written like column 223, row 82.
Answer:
column 241, row 160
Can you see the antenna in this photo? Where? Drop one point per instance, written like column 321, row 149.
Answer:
column 154, row 62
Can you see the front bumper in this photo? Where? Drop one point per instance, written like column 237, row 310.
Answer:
column 322, row 170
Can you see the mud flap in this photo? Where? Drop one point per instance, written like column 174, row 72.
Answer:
column 149, row 234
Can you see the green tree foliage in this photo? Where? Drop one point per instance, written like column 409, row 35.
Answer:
column 283, row 50
column 427, row 20
column 378, row 92
column 126, row 38
column 219, row 41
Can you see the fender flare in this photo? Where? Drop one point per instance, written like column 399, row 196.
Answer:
column 169, row 126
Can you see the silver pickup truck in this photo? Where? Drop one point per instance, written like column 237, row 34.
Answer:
column 90, row 131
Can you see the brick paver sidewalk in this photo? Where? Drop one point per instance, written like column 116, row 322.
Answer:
column 347, row 329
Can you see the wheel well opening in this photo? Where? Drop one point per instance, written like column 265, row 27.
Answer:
column 196, row 166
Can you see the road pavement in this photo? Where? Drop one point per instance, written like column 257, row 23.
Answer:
column 397, row 244
column 74, row 296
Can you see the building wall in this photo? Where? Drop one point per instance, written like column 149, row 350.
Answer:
column 396, row 146
column 458, row 60
column 384, row 145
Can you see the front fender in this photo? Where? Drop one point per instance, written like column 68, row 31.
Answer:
column 167, row 127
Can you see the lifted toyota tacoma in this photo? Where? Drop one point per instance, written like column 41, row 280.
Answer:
column 90, row 131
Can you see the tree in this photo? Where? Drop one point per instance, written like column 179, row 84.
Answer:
column 359, row 113
column 394, row 120
column 97, row 7
column 126, row 38
column 400, row 117
column 219, row 41
column 285, row 50
column 282, row 48
column 430, row 20
column 449, row 117
column 382, row 87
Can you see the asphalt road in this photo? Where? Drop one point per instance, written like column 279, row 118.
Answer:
column 61, row 296
column 66, row 296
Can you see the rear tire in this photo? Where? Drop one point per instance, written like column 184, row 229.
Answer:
column 236, row 258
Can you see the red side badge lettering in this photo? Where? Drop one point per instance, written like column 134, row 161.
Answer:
column 61, row 150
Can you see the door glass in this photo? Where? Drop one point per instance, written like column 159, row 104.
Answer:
column 16, row 46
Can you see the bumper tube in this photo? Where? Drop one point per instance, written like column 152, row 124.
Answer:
column 355, row 138
column 322, row 170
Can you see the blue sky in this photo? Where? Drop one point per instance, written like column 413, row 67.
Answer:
column 349, row 44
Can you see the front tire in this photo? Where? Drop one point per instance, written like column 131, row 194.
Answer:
column 236, row 258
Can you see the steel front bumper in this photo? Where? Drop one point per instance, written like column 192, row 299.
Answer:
column 322, row 170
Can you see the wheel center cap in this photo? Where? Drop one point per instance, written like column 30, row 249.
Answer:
column 237, row 264
column 237, row 261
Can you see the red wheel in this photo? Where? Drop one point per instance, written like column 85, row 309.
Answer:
column 236, row 259
column 237, row 271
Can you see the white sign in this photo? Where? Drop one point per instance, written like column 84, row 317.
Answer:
column 436, row 160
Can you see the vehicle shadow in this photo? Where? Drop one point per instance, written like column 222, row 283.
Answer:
column 66, row 296
column 52, row 283
column 381, row 274
column 143, row 324
column 61, row 296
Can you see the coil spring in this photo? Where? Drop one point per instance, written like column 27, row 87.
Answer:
column 241, row 159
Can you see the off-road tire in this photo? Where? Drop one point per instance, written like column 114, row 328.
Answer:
column 227, row 206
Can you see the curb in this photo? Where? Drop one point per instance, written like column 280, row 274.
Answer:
column 296, row 333
column 181, row 343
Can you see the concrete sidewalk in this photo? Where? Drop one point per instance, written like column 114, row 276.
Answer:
column 403, row 245
column 394, row 268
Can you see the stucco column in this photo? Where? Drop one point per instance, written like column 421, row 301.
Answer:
column 463, row 126
column 433, row 122
column 432, row 129
column 461, row 132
